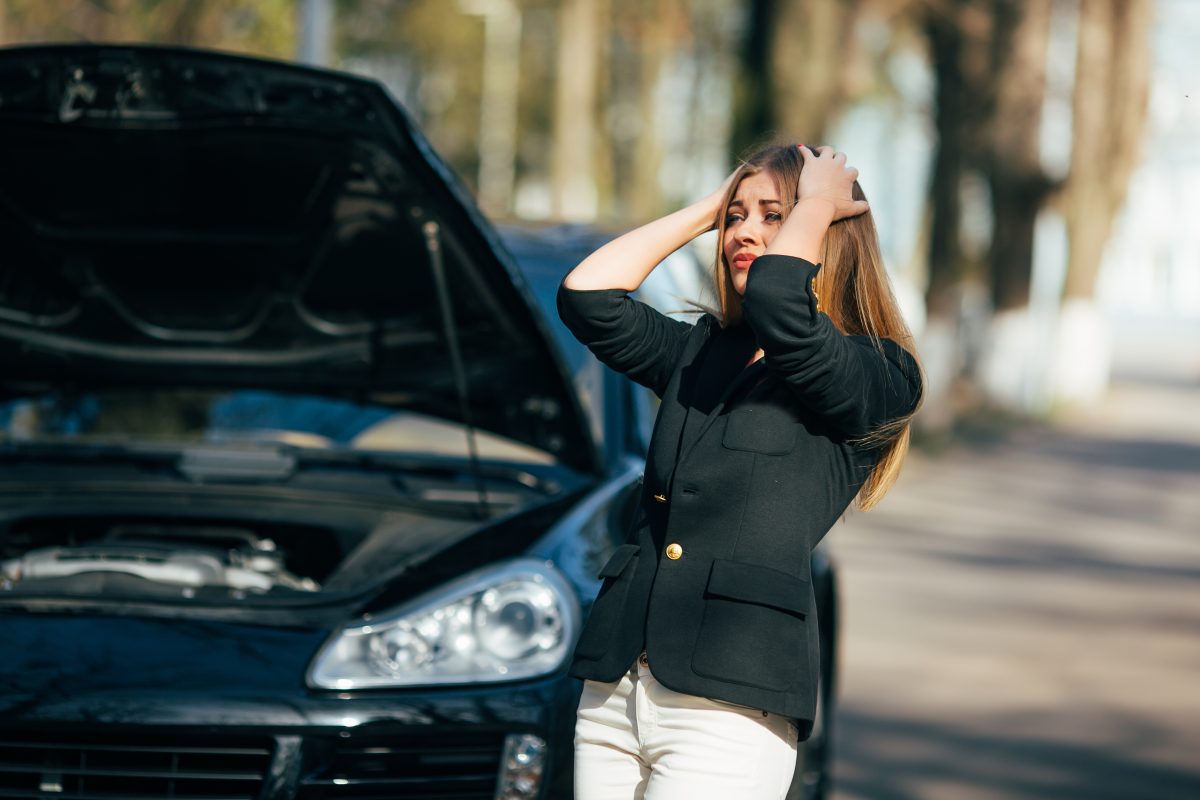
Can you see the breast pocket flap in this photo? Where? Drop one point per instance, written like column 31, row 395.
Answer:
column 754, row 583
column 620, row 559
column 759, row 430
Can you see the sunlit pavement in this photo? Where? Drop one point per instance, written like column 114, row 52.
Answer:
column 1021, row 618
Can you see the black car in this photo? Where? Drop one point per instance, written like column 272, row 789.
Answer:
column 303, row 489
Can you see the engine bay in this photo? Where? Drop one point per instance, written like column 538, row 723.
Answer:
column 187, row 554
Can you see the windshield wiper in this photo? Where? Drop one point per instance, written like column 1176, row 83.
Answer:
column 275, row 462
column 198, row 462
column 213, row 462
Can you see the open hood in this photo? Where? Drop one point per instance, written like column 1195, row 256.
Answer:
column 172, row 217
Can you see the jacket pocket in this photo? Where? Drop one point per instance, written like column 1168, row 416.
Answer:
column 760, row 429
column 608, row 610
column 754, row 629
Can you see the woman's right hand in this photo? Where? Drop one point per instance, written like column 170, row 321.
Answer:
column 624, row 262
column 716, row 201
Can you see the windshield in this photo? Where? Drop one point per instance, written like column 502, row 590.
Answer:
column 213, row 416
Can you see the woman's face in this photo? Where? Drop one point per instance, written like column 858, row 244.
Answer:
column 751, row 222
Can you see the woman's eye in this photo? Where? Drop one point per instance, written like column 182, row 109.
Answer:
column 733, row 218
column 774, row 216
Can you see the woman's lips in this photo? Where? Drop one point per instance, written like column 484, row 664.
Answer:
column 743, row 260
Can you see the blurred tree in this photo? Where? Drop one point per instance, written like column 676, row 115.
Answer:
column 661, row 31
column 576, row 112
column 754, row 89
column 989, row 59
column 989, row 63
column 814, row 56
column 315, row 29
column 658, row 73
column 1009, row 365
column 799, row 60
column 1012, row 161
column 261, row 27
column 1112, row 82
column 499, row 96
column 430, row 54
column 649, row 41
column 1112, row 87
column 959, row 35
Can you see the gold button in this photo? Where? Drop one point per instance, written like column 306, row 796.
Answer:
column 662, row 498
column 674, row 551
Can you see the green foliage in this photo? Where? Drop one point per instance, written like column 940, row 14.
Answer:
column 430, row 53
column 259, row 27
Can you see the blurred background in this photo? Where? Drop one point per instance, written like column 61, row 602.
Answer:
column 1021, row 617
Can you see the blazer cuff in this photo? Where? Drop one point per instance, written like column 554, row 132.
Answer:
column 590, row 313
column 776, row 279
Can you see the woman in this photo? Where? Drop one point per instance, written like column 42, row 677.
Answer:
column 700, row 656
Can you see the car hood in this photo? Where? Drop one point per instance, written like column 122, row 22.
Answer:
column 183, row 218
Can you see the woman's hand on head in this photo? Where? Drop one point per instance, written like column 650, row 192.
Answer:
column 827, row 179
column 825, row 195
column 716, row 201
column 624, row 262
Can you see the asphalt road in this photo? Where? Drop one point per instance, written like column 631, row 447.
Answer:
column 1021, row 616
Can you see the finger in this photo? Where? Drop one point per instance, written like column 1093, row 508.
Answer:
column 852, row 173
column 858, row 207
column 824, row 150
column 839, row 158
column 806, row 150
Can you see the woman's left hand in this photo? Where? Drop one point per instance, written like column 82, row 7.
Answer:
column 827, row 179
column 825, row 196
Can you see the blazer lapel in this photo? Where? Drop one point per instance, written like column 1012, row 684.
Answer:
column 725, row 365
column 751, row 372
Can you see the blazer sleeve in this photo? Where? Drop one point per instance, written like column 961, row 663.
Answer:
column 625, row 334
column 854, row 382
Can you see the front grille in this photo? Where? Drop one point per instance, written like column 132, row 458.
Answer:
column 461, row 767
column 131, row 766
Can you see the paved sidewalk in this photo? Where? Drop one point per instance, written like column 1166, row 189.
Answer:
column 1021, row 619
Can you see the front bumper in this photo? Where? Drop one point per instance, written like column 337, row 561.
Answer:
column 137, row 709
column 448, row 744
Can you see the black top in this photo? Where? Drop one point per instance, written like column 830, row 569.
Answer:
column 747, row 470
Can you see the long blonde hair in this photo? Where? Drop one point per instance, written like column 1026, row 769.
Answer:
column 854, row 293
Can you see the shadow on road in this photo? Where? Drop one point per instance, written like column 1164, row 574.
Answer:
column 887, row 759
column 1140, row 454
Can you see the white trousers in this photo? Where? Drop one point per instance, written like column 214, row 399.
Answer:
column 638, row 740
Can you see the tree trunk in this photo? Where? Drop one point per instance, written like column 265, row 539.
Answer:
column 753, row 90
column 1112, row 78
column 573, row 173
column 946, row 42
column 813, row 56
column 655, row 42
column 1019, row 186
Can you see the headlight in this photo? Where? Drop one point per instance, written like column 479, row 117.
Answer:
column 506, row 622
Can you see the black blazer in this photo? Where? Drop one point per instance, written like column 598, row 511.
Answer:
column 747, row 470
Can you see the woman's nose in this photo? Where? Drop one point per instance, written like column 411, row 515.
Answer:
column 749, row 231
